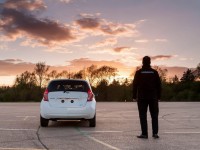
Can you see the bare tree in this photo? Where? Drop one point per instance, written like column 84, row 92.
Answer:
column 105, row 73
column 162, row 73
column 41, row 70
column 63, row 74
column 90, row 73
column 175, row 79
column 26, row 79
column 53, row 75
column 79, row 75
column 188, row 76
column 197, row 72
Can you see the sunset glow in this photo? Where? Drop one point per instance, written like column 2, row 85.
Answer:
column 74, row 34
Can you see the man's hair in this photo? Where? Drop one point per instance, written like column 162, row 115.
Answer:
column 146, row 61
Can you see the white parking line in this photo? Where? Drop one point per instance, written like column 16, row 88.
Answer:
column 182, row 132
column 103, row 131
column 84, row 133
column 103, row 143
column 26, row 117
column 19, row 148
column 180, row 119
column 6, row 129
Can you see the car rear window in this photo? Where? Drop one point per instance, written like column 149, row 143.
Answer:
column 64, row 85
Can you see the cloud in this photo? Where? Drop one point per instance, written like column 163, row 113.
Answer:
column 125, row 54
column 81, row 63
column 66, row 1
column 120, row 49
column 161, row 40
column 17, row 22
column 106, row 42
column 93, row 23
column 157, row 57
column 11, row 67
column 142, row 41
column 141, row 21
column 146, row 41
column 3, row 47
column 13, row 60
column 161, row 57
column 58, row 49
column 24, row 4
column 176, row 70
column 185, row 59
column 88, row 23
column 84, row 62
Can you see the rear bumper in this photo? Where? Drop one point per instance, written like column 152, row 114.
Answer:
column 86, row 112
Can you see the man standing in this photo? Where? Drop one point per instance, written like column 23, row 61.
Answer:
column 147, row 91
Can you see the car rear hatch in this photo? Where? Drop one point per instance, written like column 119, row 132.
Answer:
column 67, row 99
column 69, row 94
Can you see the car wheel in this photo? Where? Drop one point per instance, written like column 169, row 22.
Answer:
column 44, row 122
column 92, row 122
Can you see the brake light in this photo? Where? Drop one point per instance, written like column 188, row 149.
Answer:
column 90, row 95
column 45, row 96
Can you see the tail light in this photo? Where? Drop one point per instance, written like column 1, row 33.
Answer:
column 90, row 95
column 45, row 96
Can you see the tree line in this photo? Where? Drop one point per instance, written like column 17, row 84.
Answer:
column 29, row 86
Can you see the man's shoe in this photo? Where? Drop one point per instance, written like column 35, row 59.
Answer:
column 142, row 136
column 155, row 136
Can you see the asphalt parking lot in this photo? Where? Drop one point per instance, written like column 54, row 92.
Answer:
column 117, row 128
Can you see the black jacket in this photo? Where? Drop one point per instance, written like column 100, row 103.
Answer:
column 146, row 84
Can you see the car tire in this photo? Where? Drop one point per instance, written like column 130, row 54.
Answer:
column 44, row 122
column 92, row 122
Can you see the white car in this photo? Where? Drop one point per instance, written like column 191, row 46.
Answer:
column 68, row 99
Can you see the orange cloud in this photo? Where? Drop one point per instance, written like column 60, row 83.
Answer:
column 85, row 62
column 22, row 4
column 172, row 71
column 94, row 23
column 17, row 21
column 14, row 67
column 161, row 57
column 120, row 49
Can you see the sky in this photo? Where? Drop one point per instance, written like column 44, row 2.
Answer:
column 73, row 34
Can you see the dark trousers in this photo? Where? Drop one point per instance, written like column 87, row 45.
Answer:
column 154, row 110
